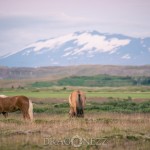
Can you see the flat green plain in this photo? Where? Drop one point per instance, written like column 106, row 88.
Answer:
column 128, row 92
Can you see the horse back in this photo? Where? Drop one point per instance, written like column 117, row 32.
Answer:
column 13, row 103
column 75, row 97
column 21, row 101
column 5, row 104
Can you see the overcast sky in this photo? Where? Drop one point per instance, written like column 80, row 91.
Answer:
column 25, row 21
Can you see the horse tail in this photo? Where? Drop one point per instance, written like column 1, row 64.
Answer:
column 30, row 110
column 79, row 104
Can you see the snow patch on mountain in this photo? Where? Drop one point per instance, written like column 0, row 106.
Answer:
column 51, row 44
column 85, row 42
column 99, row 43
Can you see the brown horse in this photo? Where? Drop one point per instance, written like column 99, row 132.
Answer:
column 4, row 113
column 11, row 104
column 77, row 101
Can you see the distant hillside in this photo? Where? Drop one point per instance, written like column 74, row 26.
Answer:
column 95, row 81
column 66, row 71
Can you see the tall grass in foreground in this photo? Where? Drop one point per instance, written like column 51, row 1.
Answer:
column 120, row 131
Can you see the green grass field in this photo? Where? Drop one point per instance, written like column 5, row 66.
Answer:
column 62, row 92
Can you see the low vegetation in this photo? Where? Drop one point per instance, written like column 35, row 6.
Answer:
column 123, row 106
column 96, row 81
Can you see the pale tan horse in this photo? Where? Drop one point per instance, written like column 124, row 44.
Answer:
column 77, row 101
column 11, row 104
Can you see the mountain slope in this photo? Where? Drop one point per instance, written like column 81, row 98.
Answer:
column 82, row 48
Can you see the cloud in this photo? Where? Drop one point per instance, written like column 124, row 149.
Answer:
column 20, row 31
column 127, row 56
column 23, row 22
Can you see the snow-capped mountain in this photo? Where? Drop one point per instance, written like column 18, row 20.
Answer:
column 82, row 48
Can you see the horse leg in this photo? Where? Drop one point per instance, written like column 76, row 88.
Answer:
column 71, row 112
column 25, row 113
column 5, row 114
column 82, row 115
column 81, row 112
column 26, row 116
column 75, row 110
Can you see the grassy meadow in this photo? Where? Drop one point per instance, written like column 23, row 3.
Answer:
column 115, row 118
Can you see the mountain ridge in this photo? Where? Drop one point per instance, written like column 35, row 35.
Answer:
column 82, row 48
